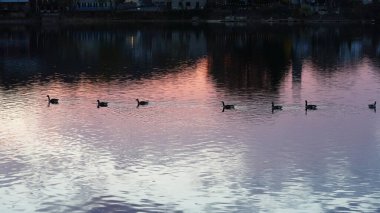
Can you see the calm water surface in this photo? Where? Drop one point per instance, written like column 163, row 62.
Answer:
column 181, row 153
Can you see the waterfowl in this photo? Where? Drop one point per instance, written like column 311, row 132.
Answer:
column 141, row 102
column 102, row 103
column 276, row 107
column 372, row 106
column 52, row 100
column 310, row 106
column 227, row 106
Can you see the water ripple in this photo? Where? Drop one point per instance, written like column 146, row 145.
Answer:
column 181, row 152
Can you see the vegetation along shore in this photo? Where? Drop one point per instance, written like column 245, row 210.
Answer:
column 249, row 11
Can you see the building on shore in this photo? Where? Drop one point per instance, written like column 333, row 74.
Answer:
column 46, row 6
column 93, row 5
column 253, row 8
column 188, row 4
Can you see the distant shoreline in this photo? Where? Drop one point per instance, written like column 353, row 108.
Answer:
column 62, row 20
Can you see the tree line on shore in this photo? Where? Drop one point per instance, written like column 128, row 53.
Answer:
column 334, row 9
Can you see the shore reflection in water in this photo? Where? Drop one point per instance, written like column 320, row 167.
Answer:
column 181, row 153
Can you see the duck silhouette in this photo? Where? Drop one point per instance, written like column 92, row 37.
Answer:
column 102, row 104
column 276, row 107
column 227, row 106
column 310, row 106
column 372, row 106
column 52, row 100
column 141, row 102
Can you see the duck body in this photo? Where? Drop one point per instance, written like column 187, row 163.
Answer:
column 142, row 102
column 228, row 106
column 372, row 106
column 310, row 106
column 102, row 103
column 52, row 100
column 276, row 107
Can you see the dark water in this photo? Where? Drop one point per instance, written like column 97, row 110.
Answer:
column 181, row 153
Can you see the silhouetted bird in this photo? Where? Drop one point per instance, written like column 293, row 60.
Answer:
column 53, row 100
column 227, row 106
column 310, row 106
column 142, row 102
column 276, row 107
column 372, row 106
column 102, row 104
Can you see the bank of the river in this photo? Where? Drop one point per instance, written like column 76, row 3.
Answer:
column 92, row 21
column 244, row 17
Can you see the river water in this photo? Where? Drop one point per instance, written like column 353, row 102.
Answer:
column 182, row 152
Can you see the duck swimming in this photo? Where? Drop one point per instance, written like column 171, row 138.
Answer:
column 102, row 104
column 276, row 107
column 310, row 106
column 141, row 102
column 372, row 106
column 227, row 106
column 52, row 100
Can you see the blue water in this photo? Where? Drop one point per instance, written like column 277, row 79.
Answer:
column 181, row 152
